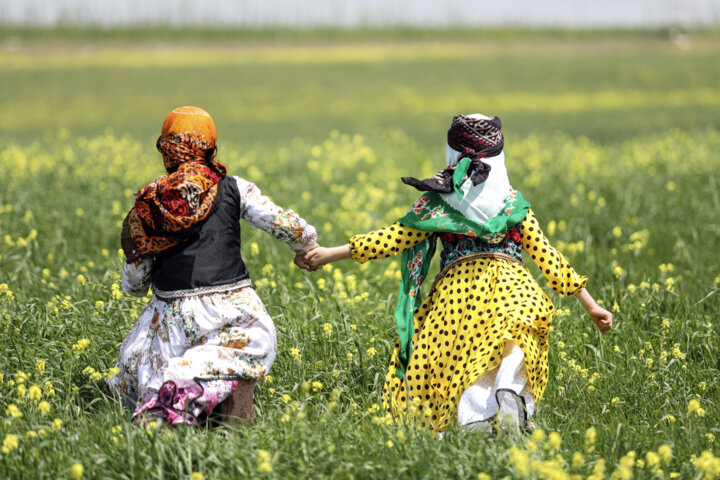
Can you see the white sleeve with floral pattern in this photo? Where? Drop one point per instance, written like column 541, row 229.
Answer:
column 136, row 278
column 286, row 225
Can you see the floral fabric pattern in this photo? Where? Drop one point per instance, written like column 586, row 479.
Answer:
column 194, row 343
column 185, row 355
column 286, row 225
column 456, row 246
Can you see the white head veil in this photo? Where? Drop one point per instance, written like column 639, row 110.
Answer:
column 485, row 200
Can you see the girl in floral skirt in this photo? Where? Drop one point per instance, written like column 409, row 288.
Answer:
column 205, row 337
column 476, row 349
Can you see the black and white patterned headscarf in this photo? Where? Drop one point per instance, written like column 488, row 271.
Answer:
column 473, row 136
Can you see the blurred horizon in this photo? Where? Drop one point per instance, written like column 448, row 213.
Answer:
column 351, row 14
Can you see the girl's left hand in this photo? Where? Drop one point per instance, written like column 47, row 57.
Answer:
column 602, row 318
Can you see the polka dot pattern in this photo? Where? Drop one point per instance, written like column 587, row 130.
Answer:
column 461, row 327
column 385, row 242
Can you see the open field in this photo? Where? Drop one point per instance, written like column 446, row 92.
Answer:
column 614, row 139
column 271, row 89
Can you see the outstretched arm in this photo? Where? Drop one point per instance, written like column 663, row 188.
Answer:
column 317, row 257
column 382, row 243
column 286, row 225
column 560, row 275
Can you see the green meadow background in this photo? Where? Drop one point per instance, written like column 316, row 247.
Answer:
column 612, row 136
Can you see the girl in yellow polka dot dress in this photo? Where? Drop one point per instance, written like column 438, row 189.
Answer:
column 476, row 349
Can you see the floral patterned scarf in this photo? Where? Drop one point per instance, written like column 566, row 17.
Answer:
column 172, row 208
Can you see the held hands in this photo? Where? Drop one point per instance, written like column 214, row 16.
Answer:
column 319, row 256
column 303, row 264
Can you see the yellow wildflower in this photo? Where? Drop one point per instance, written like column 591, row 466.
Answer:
column 197, row 476
column 553, row 442
column 577, row 461
column 263, row 461
column 13, row 411
column 39, row 366
column 81, row 345
column 295, row 353
column 76, row 471
column 44, row 407
column 371, row 352
column 590, row 438
column 694, row 407
column 48, row 389
column 653, row 460
column 57, row 424
column 34, row 393
column 520, row 461
column 666, row 453
column 708, row 465
column 328, row 329
column 10, row 443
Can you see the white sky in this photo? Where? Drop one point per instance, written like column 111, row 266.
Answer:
column 357, row 13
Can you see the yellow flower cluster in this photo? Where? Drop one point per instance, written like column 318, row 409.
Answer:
column 694, row 407
column 263, row 462
column 328, row 328
column 81, row 345
column 707, row 464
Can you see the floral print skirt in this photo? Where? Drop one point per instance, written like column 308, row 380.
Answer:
column 184, row 356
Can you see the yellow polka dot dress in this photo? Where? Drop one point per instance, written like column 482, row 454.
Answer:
column 475, row 305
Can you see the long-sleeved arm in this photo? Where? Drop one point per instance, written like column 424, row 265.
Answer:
column 385, row 242
column 561, row 276
column 136, row 278
column 286, row 225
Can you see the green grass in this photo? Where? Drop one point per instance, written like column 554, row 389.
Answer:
column 328, row 129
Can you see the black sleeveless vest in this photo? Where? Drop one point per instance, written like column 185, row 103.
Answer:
column 210, row 261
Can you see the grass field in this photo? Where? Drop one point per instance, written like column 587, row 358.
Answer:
column 614, row 139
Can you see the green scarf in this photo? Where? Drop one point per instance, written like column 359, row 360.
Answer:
column 431, row 213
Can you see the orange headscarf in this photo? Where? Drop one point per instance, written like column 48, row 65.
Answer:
column 173, row 207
